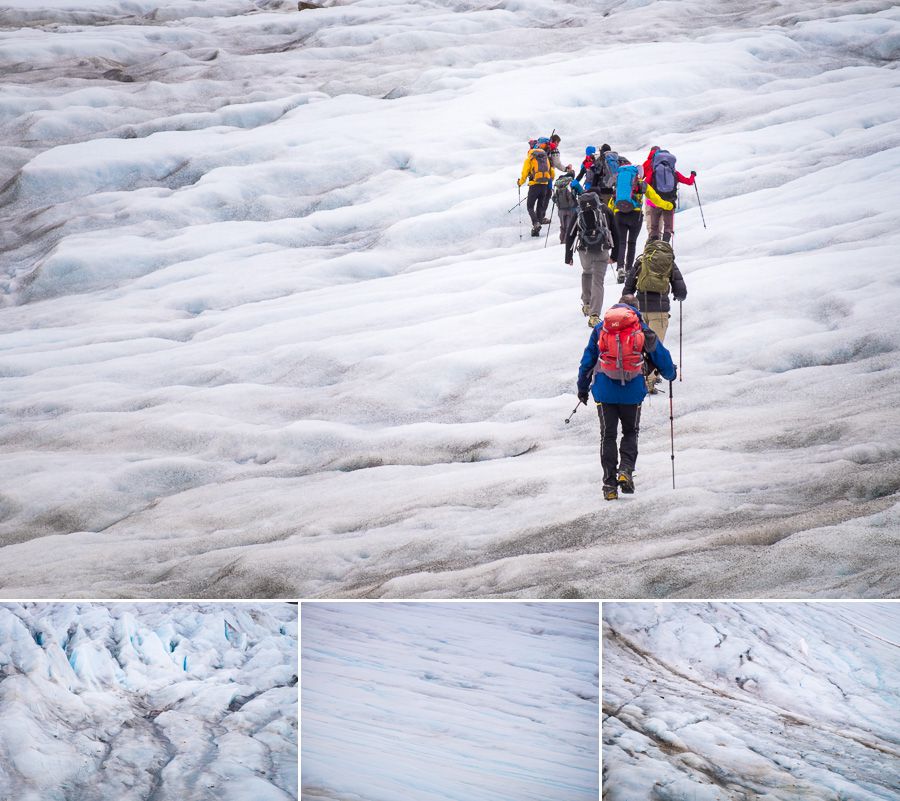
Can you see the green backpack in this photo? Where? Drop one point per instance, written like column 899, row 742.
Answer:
column 657, row 262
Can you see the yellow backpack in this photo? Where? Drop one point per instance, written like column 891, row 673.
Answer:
column 540, row 166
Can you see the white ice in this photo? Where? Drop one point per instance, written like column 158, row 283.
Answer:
column 449, row 701
column 148, row 702
column 731, row 701
column 268, row 329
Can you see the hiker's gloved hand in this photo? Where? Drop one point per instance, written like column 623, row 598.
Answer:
column 519, row 182
column 693, row 174
column 583, row 397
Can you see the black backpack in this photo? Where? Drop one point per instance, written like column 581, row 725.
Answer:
column 593, row 230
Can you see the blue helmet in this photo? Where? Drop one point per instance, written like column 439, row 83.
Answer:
column 543, row 141
column 590, row 150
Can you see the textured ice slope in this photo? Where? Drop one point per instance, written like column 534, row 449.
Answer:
column 731, row 702
column 151, row 702
column 449, row 702
column 267, row 328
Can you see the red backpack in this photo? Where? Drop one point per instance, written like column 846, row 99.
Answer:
column 621, row 343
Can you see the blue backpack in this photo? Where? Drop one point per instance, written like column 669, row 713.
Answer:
column 664, row 180
column 626, row 178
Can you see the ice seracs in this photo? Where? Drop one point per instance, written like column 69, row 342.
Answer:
column 130, row 701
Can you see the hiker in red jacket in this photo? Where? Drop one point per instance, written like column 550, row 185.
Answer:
column 660, row 173
column 647, row 166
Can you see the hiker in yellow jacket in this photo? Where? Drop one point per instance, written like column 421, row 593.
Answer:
column 539, row 173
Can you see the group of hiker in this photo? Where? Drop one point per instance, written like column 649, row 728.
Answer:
column 601, row 212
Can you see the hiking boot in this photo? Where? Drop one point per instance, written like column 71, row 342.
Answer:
column 620, row 276
column 585, row 309
column 545, row 221
column 536, row 230
column 626, row 482
column 610, row 493
column 593, row 320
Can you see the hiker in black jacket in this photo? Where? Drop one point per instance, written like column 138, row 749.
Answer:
column 597, row 180
column 653, row 294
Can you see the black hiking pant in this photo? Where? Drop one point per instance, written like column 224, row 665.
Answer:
column 547, row 200
column 611, row 414
column 628, row 227
column 611, row 224
column 538, row 198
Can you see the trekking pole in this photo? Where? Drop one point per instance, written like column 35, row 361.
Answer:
column 672, row 432
column 519, row 206
column 699, row 203
column 508, row 211
column 550, row 224
column 573, row 412
column 680, row 358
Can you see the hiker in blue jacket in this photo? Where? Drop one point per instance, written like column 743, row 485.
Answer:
column 619, row 399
